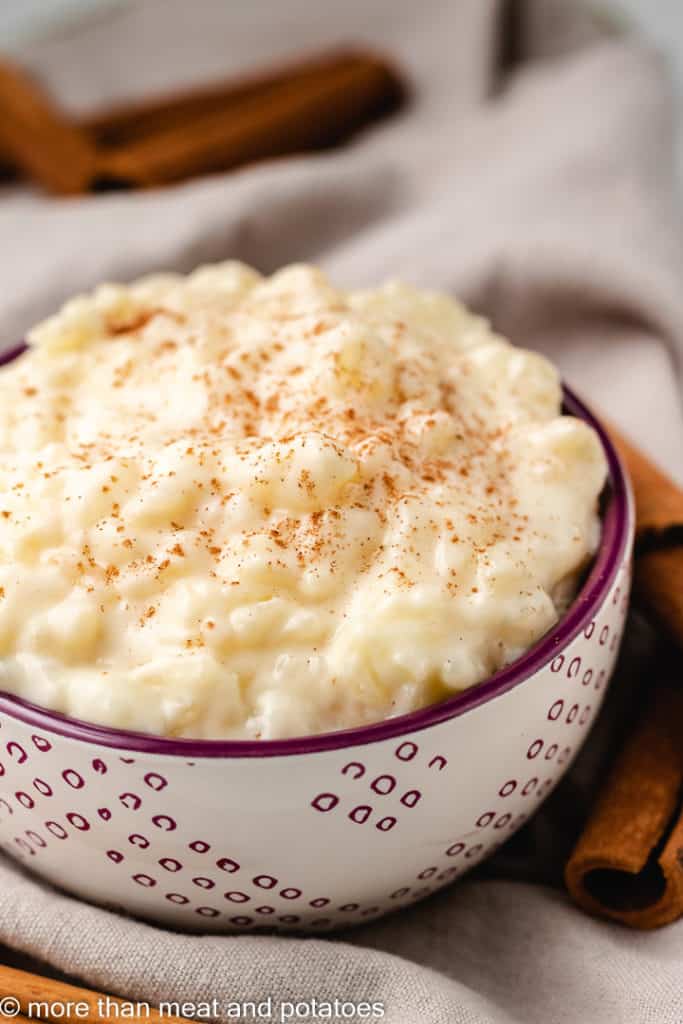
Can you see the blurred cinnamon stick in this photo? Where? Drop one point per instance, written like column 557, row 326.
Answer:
column 628, row 863
column 40, row 139
column 659, row 537
column 296, row 117
column 312, row 103
column 125, row 123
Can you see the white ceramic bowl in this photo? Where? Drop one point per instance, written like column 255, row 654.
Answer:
column 319, row 832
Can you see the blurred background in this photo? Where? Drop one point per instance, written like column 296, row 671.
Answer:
column 660, row 20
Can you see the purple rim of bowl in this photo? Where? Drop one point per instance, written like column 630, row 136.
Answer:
column 614, row 538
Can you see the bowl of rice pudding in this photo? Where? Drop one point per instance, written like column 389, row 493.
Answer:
column 308, row 597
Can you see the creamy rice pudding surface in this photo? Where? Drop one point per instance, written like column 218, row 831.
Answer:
column 245, row 507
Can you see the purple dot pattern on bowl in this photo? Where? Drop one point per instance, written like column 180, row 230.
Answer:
column 61, row 801
column 394, row 782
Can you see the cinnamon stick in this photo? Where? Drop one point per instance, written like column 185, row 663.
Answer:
column 40, row 139
column 658, row 576
column 49, row 999
column 659, row 500
column 297, row 116
column 628, row 863
column 293, row 107
column 125, row 123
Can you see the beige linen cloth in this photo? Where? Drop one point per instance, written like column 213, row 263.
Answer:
column 532, row 175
